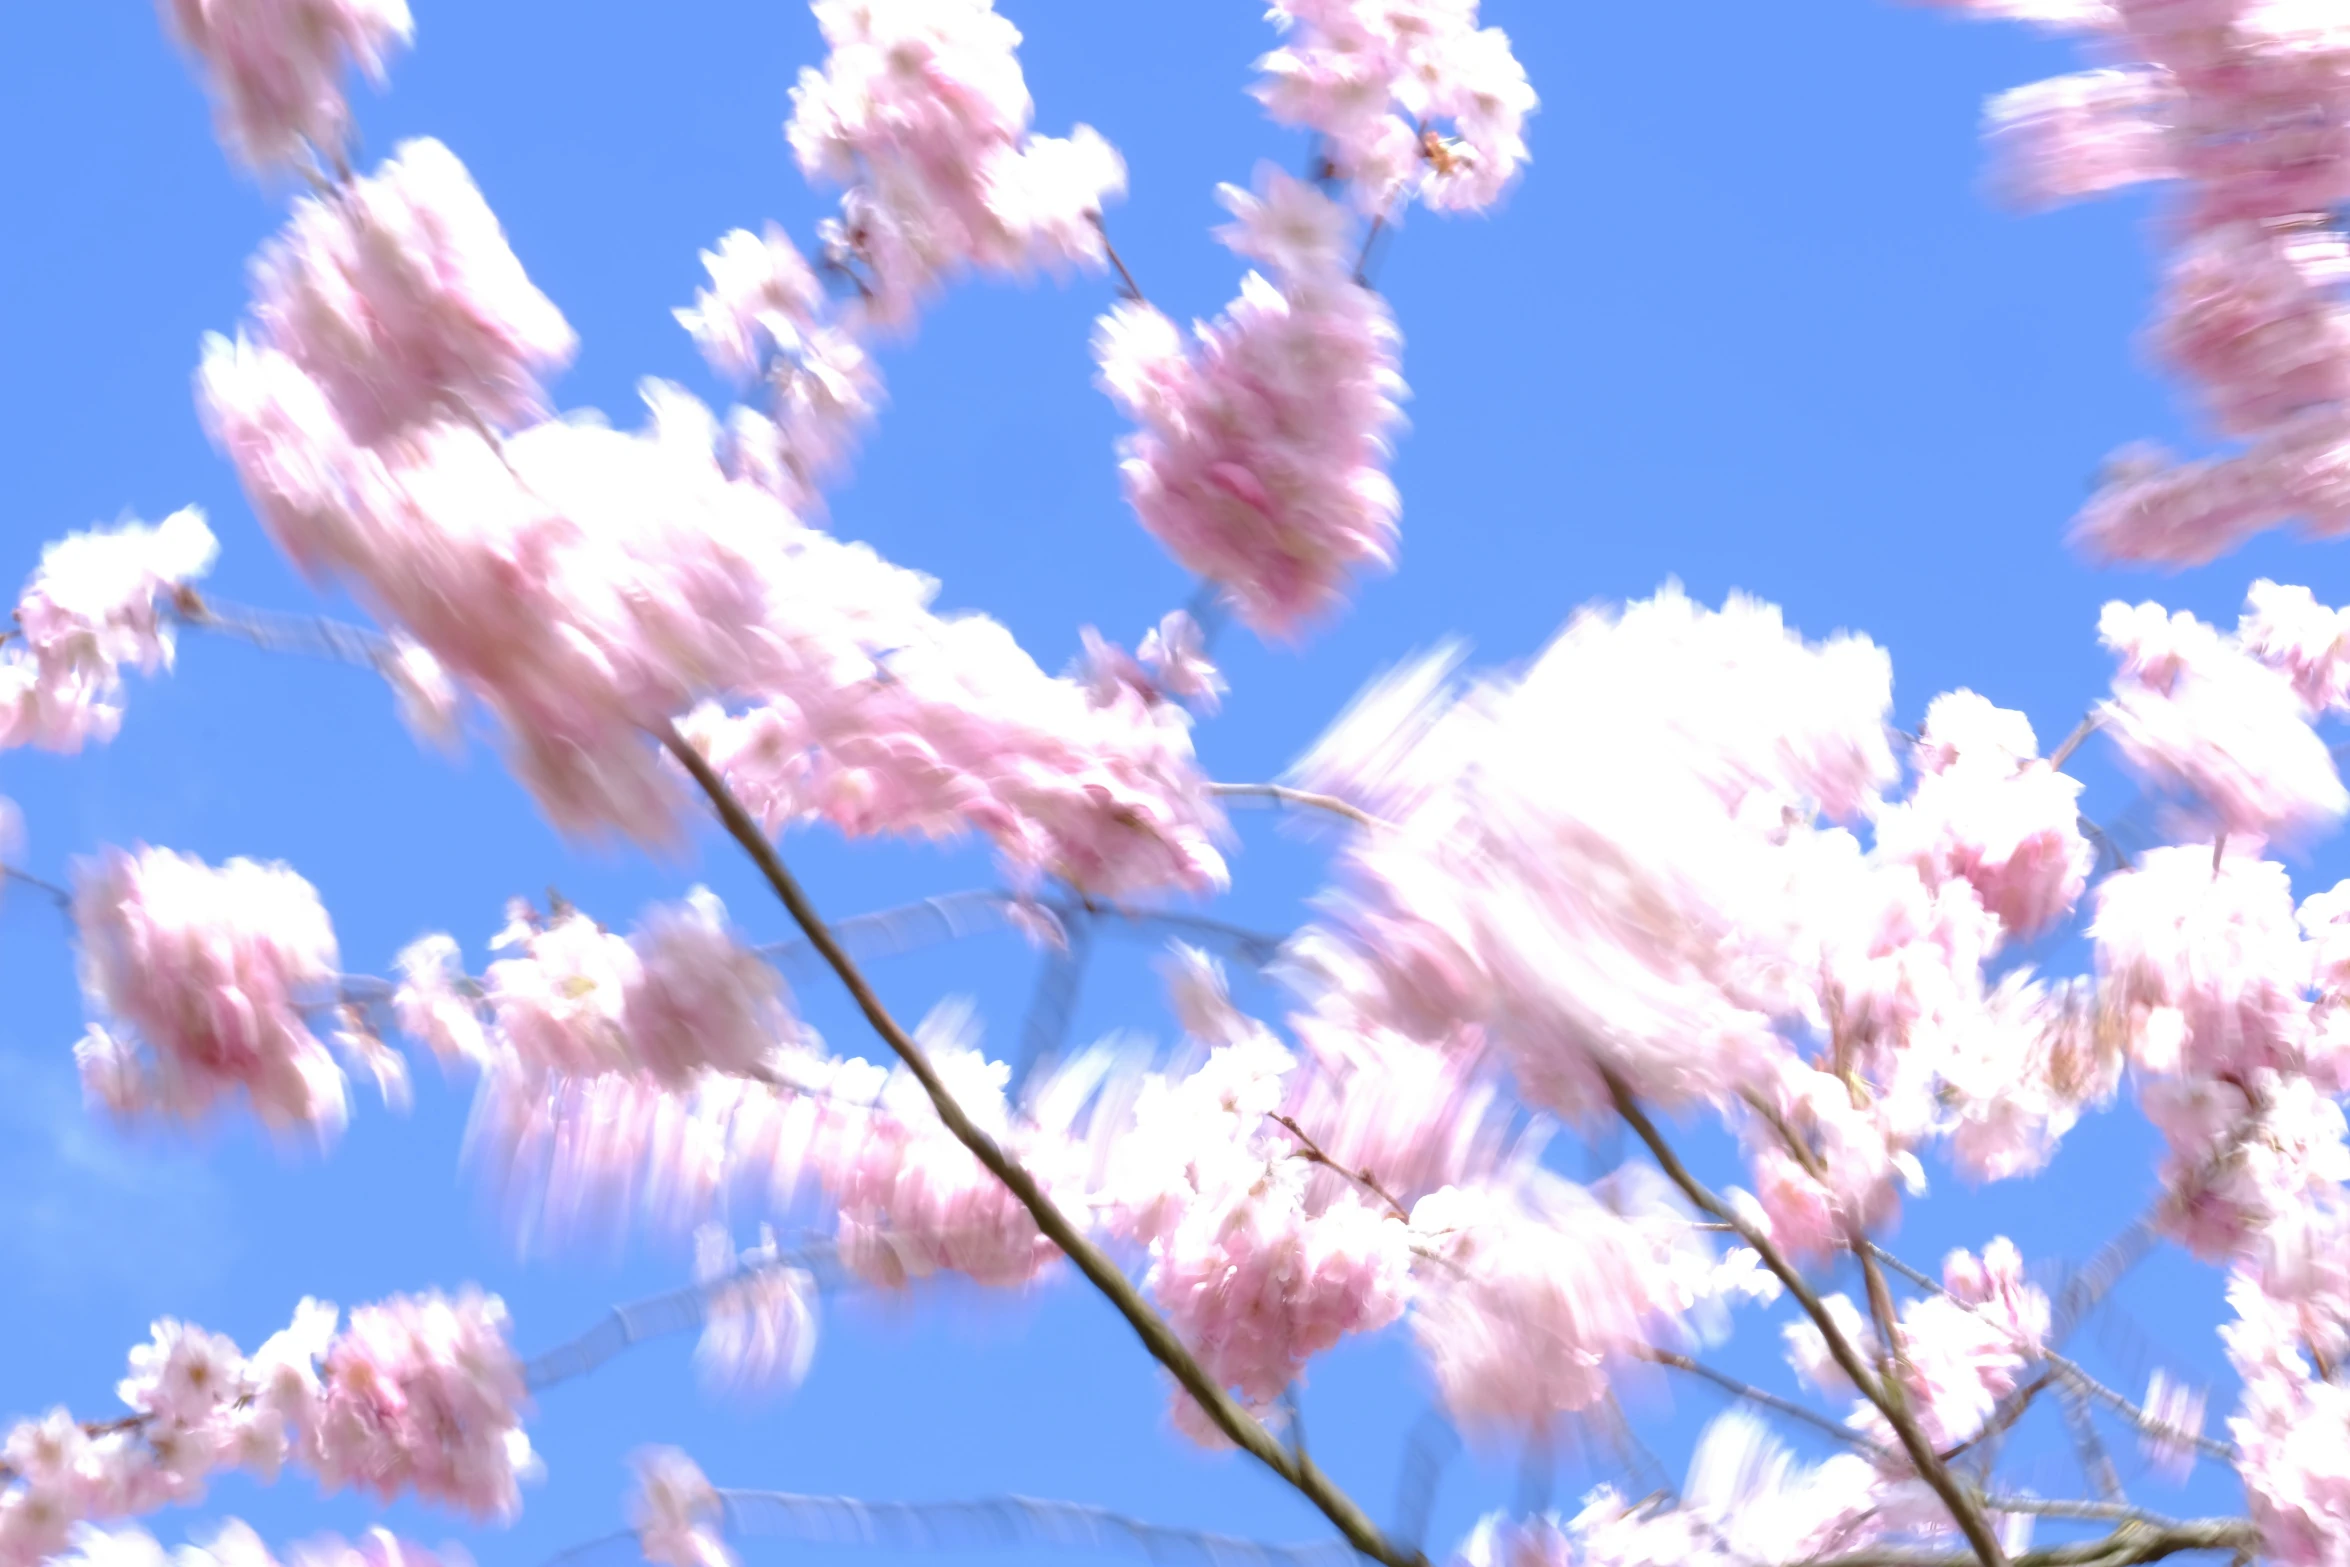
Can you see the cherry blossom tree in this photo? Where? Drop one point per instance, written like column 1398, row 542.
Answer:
column 1678, row 868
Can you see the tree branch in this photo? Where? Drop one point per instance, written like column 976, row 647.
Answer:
column 1157, row 1337
column 1930, row 1468
column 1004, row 1520
column 1767, row 1400
column 1282, row 794
column 2127, row 1546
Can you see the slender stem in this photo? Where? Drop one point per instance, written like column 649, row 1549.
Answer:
column 2072, row 742
column 56, row 894
column 1312, row 1152
column 1962, row 1508
column 1133, row 289
column 1282, row 794
column 2065, row 1371
column 1157, row 1337
column 2081, row 1382
column 2127, row 1546
column 2073, row 1507
column 1004, row 1520
column 1755, row 1395
column 312, row 635
column 1363, row 257
column 2096, row 1462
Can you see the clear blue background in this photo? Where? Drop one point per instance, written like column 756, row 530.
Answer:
column 1749, row 322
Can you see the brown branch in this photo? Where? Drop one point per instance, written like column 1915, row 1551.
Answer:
column 1758, row 1396
column 1963, row 1510
column 2127, row 1546
column 1157, row 1337
column 1282, row 794
column 1312, row 1153
column 2072, row 742
column 1133, row 289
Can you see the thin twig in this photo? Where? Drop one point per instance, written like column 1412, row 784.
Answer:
column 2127, row 1546
column 2072, row 742
column 1963, row 1511
column 1133, row 289
column 1363, row 257
column 1005, row 1520
column 1767, row 1400
column 656, row 1316
column 56, row 894
column 313, row 636
column 1311, row 1151
column 2073, row 1507
column 1105, row 1275
column 1282, row 794
column 2096, row 1462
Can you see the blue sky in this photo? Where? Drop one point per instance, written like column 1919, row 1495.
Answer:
column 1749, row 322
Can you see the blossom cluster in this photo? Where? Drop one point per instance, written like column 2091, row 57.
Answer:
column 418, row 1395
column 235, row 1544
column 1376, row 79
column 1259, row 456
column 219, row 971
column 99, row 601
column 276, row 68
column 2246, row 106
column 922, row 111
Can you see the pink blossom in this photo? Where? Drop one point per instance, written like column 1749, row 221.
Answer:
column 100, row 600
column 275, row 67
column 184, row 1375
column 675, row 1511
column 433, row 1005
column 1987, row 809
column 559, row 1005
column 1258, row 1284
column 1610, row 860
column 2205, row 964
column 400, row 297
column 698, row 998
column 913, row 1200
column 922, row 111
column 2016, row 1076
column 2081, row 135
column 1260, row 461
column 428, row 698
column 2248, row 316
column 1535, row 1294
column 2224, row 729
column 2287, row 629
column 2292, row 1437
column 1363, row 73
column 422, row 1393
column 2176, row 1409
column 213, row 968
column 1175, row 651
column 762, row 297
column 759, row 1327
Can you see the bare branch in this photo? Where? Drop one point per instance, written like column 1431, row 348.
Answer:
column 1157, row 1337
column 1962, row 1508
column 2073, row 1507
column 313, row 636
column 1003, row 1520
column 1312, row 1152
column 49, row 889
column 2072, row 742
column 1766, row 1400
column 2127, row 1546
column 656, row 1316
column 1282, row 794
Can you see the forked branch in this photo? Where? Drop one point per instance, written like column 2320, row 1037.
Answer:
column 1157, row 1337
